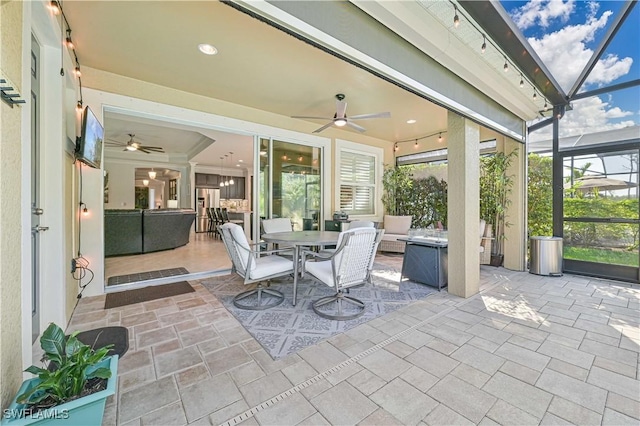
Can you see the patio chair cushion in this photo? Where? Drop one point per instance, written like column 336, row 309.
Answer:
column 361, row 224
column 270, row 265
column 281, row 224
column 397, row 224
column 322, row 271
column 244, row 251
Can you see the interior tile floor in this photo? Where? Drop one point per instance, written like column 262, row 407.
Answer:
column 526, row 350
column 203, row 253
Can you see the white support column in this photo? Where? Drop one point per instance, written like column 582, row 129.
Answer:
column 463, row 205
column 515, row 243
column 191, row 186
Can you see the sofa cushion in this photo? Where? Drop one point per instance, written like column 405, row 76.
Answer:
column 392, row 237
column 397, row 224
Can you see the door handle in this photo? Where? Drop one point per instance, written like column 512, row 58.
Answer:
column 37, row 211
column 39, row 228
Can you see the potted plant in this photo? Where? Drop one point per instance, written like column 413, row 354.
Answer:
column 72, row 390
column 495, row 188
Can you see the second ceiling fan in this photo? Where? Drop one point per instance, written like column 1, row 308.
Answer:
column 132, row 145
column 340, row 118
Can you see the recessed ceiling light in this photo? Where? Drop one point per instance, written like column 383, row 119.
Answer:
column 207, row 49
column 240, row 161
column 411, row 121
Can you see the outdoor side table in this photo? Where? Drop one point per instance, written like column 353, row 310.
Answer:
column 426, row 261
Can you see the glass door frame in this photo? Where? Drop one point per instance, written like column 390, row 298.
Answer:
column 597, row 269
column 324, row 144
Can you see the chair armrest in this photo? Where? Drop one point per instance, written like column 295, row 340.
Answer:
column 323, row 256
column 270, row 251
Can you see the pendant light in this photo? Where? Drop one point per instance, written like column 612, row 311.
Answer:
column 145, row 182
column 152, row 174
column 231, row 177
column 223, row 183
column 226, row 181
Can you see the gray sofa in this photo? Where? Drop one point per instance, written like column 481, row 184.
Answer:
column 145, row 231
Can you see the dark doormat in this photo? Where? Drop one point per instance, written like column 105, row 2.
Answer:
column 99, row 337
column 153, row 292
column 144, row 276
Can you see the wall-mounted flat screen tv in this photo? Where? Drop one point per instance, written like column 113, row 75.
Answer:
column 89, row 144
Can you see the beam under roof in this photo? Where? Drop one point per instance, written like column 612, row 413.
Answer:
column 492, row 17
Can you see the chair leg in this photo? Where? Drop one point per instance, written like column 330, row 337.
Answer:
column 259, row 292
column 338, row 298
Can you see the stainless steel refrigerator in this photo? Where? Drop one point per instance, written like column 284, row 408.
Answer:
column 205, row 198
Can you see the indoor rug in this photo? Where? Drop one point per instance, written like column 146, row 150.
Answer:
column 129, row 297
column 286, row 329
column 144, row 276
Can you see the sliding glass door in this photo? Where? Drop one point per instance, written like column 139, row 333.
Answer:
column 289, row 182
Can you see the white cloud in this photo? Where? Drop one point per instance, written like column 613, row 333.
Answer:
column 608, row 69
column 589, row 115
column 542, row 12
column 617, row 113
column 565, row 51
column 565, row 54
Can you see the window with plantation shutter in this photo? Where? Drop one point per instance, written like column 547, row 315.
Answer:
column 357, row 183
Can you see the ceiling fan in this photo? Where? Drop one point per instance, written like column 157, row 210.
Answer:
column 132, row 145
column 340, row 118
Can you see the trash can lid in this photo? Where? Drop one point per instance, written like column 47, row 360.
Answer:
column 547, row 238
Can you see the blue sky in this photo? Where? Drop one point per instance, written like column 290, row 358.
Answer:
column 564, row 33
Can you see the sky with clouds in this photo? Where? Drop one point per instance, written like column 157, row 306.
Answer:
column 564, row 34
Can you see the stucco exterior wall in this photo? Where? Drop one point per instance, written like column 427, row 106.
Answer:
column 10, row 211
column 113, row 83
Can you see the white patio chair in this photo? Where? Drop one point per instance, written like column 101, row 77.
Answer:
column 254, row 266
column 350, row 265
column 361, row 224
column 352, row 225
column 280, row 224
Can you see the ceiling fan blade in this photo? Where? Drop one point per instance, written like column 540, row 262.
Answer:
column 329, row 124
column 355, row 126
column 315, row 118
column 341, row 109
column 159, row 150
column 374, row 115
column 152, row 147
column 141, row 149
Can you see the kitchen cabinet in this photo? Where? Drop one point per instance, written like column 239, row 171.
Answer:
column 201, row 179
column 235, row 191
column 206, row 180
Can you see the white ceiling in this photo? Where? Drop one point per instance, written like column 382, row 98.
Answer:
column 257, row 66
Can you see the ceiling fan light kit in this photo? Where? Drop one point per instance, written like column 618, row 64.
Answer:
column 340, row 118
column 132, row 145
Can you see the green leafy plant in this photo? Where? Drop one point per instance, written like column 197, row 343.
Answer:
column 495, row 189
column 540, row 195
column 397, row 184
column 75, row 364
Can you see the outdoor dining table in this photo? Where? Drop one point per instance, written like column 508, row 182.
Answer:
column 299, row 239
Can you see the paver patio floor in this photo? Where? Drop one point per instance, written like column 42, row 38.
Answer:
column 525, row 350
